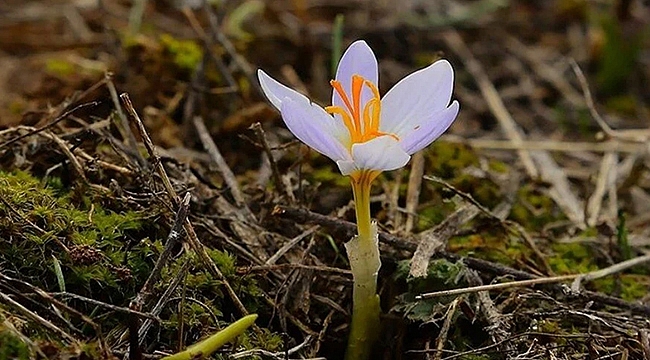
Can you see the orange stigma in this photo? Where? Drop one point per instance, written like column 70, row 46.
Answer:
column 361, row 120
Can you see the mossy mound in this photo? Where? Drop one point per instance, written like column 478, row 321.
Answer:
column 64, row 241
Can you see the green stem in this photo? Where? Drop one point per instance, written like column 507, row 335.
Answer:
column 206, row 347
column 363, row 253
column 361, row 190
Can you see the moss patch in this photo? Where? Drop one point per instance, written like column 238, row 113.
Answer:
column 186, row 53
column 534, row 209
column 12, row 347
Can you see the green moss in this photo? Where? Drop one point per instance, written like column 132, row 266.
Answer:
column 41, row 221
column 433, row 214
column 130, row 40
column 498, row 166
column 493, row 246
column 622, row 104
column 224, row 261
column 447, row 160
column 482, row 190
column 186, row 53
column 571, row 258
column 60, row 67
column 533, row 209
column 547, row 326
column 554, row 327
column 17, row 107
column 264, row 339
column 632, row 287
column 12, row 347
column 588, row 232
column 327, row 175
column 89, row 351
column 210, row 307
column 107, row 255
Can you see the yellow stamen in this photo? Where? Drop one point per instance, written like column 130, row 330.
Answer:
column 357, row 87
column 347, row 120
column 361, row 120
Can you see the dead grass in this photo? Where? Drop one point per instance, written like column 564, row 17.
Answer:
column 145, row 207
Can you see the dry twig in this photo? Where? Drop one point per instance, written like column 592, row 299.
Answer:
column 491, row 287
column 435, row 239
column 444, row 331
column 224, row 169
column 277, row 178
column 491, row 96
column 606, row 179
column 413, row 190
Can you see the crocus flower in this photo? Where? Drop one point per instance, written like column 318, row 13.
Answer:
column 361, row 130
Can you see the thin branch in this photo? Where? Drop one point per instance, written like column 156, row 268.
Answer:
column 635, row 135
column 37, row 318
column 174, row 237
column 413, row 190
column 215, row 154
column 106, row 305
column 491, row 96
column 492, row 287
column 548, row 145
column 444, row 331
column 60, row 118
column 261, row 136
column 293, row 242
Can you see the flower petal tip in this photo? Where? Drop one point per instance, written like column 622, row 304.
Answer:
column 359, row 59
column 276, row 92
column 314, row 127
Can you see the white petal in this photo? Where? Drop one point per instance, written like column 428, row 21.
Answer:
column 425, row 130
column 417, row 96
column 360, row 60
column 346, row 167
column 315, row 127
column 383, row 153
column 277, row 92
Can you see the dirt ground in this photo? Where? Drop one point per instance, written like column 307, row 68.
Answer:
column 150, row 195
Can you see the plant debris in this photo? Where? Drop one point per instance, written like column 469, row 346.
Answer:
column 149, row 197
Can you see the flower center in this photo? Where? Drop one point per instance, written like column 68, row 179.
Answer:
column 361, row 120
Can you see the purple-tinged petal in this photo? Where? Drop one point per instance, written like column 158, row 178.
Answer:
column 416, row 97
column 315, row 127
column 426, row 130
column 382, row 153
column 360, row 60
column 277, row 92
